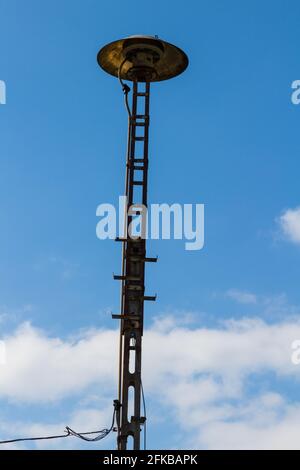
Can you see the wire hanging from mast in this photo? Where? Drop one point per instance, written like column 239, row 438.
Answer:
column 70, row 432
column 125, row 87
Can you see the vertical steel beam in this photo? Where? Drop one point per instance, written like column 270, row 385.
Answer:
column 133, row 273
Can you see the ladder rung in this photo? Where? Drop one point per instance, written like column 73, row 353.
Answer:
column 140, row 124
column 118, row 277
column 152, row 298
column 138, row 183
column 119, row 239
column 135, row 258
column 150, row 260
column 142, row 93
column 136, row 167
column 138, row 160
column 124, row 317
column 139, row 138
column 141, row 259
column 132, row 288
column 138, row 420
column 127, row 317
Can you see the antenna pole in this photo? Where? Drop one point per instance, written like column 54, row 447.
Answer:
column 133, row 272
column 139, row 59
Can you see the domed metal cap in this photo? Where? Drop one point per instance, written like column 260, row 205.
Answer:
column 142, row 58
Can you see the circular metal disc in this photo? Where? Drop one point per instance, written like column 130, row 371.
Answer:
column 172, row 62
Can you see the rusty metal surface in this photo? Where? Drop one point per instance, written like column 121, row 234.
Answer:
column 133, row 275
column 169, row 61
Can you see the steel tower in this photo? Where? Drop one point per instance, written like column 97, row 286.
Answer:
column 141, row 60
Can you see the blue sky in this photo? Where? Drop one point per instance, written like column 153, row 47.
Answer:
column 225, row 133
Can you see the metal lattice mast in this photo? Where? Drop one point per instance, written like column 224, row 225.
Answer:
column 133, row 275
column 140, row 59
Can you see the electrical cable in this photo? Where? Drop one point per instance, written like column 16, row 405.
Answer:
column 102, row 434
column 69, row 432
column 9, row 441
column 125, row 87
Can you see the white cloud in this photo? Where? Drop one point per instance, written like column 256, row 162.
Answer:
column 261, row 426
column 289, row 223
column 241, row 296
column 197, row 377
column 40, row 368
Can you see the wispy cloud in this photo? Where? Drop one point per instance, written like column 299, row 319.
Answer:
column 62, row 267
column 289, row 223
column 14, row 315
column 271, row 307
column 242, row 297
